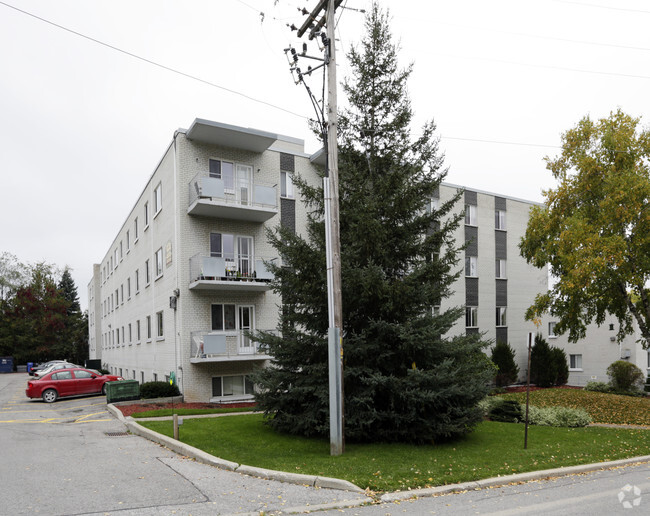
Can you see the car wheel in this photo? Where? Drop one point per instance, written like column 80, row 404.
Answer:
column 50, row 396
column 104, row 389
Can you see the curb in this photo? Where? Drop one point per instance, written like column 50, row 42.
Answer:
column 334, row 483
column 518, row 478
column 201, row 456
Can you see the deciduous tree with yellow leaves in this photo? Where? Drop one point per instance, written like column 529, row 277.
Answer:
column 594, row 228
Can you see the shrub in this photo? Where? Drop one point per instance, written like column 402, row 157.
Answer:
column 557, row 416
column 561, row 366
column 503, row 357
column 624, row 376
column 488, row 403
column 509, row 411
column 543, row 369
column 598, row 387
column 158, row 390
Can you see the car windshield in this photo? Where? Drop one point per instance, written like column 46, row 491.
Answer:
column 95, row 371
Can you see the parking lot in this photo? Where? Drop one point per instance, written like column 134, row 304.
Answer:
column 73, row 457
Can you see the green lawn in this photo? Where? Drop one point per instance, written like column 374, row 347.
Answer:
column 602, row 407
column 492, row 449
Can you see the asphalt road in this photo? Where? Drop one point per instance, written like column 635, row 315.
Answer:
column 72, row 458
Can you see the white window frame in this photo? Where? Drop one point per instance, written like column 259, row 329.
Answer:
column 471, row 266
column 137, row 281
column 501, row 270
column 551, row 330
column 136, row 235
column 470, row 215
column 575, row 362
column 286, row 185
column 147, row 273
column 471, row 317
column 158, row 260
column 160, row 325
column 157, row 200
column 501, row 316
column 146, row 215
column 148, row 328
column 244, row 386
column 500, row 220
column 138, row 335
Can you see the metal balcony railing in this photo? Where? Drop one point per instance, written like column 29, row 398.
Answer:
column 241, row 193
column 225, row 345
column 229, row 268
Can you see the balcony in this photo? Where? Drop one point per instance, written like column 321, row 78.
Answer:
column 224, row 346
column 240, row 273
column 234, row 200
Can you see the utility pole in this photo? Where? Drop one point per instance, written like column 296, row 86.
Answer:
column 332, row 236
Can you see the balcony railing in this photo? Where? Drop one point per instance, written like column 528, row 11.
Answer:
column 242, row 272
column 236, row 200
column 221, row 346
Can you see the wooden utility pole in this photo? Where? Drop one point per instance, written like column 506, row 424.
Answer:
column 332, row 236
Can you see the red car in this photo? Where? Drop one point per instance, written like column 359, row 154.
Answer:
column 74, row 381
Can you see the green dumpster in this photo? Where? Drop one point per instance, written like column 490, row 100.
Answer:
column 122, row 390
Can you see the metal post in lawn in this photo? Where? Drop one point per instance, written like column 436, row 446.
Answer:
column 531, row 338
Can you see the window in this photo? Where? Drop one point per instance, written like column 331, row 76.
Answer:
column 130, row 334
column 648, row 359
column 501, row 269
column 551, row 329
column 155, row 377
column 117, row 298
column 118, row 337
column 115, row 256
column 159, row 325
column 471, row 317
column 137, row 331
column 122, row 293
column 501, row 316
column 500, row 219
column 470, row 266
column 159, row 263
column 575, row 362
column 223, row 170
column 137, row 281
column 232, row 385
column 121, row 251
column 141, row 376
column 148, row 327
column 146, row 215
column 470, row 215
column 286, row 185
column 128, row 288
column 128, row 240
column 157, row 200
column 136, row 235
column 123, row 340
column 147, row 273
column 223, row 317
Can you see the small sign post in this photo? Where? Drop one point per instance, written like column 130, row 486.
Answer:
column 531, row 343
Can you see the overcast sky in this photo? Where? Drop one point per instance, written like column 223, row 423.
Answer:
column 83, row 125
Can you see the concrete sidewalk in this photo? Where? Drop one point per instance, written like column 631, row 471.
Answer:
column 333, row 483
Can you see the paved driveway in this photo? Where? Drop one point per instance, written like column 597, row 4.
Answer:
column 73, row 457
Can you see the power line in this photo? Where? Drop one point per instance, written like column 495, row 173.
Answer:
column 549, row 67
column 154, row 63
column 584, row 4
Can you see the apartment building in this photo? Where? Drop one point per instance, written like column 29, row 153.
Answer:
column 184, row 278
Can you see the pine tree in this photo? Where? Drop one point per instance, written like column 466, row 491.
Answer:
column 503, row 356
column 404, row 378
column 69, row 292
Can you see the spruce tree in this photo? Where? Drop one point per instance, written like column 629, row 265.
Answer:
column 405, row 378
column 503, row 357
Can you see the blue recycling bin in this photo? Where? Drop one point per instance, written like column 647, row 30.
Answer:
column 29, row 366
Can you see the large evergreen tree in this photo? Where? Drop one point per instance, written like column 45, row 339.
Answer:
column 404, row 378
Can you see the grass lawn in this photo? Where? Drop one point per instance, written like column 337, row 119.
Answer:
column 492, row 449
column 189, row 411
column 602, row 407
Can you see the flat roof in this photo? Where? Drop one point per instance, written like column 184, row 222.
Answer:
column 216, row 133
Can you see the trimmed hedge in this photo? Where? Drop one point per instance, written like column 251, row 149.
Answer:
column 498, row 409
column 158, row 390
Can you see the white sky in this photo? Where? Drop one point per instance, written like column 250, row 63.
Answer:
column 83, row 126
